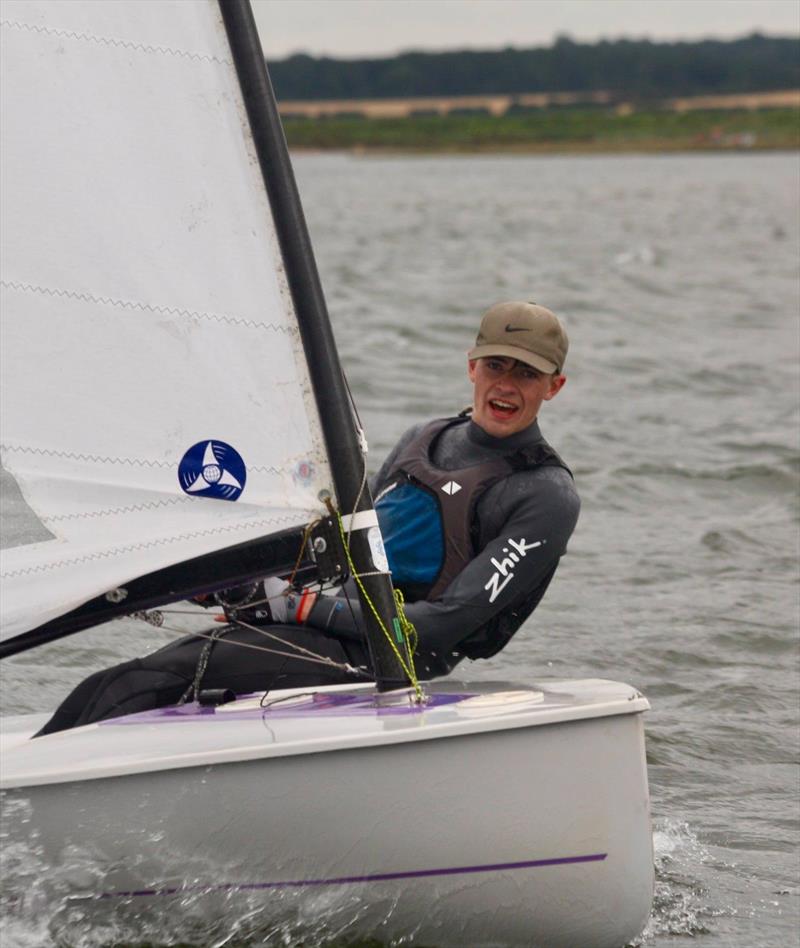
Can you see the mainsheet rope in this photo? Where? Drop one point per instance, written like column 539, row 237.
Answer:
column 216, row 637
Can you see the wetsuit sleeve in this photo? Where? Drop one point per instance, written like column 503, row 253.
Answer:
column 530, row 519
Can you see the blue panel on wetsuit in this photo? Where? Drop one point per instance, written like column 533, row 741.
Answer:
column 412, row 533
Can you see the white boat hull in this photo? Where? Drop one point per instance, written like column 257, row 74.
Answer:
column 467, row 824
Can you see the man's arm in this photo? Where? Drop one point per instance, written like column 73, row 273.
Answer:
column 535, row 513
column 539, row 511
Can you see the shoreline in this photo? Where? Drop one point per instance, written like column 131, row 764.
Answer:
column 555, row 148
column 567, row 131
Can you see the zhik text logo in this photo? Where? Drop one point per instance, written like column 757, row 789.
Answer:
column 503, row 573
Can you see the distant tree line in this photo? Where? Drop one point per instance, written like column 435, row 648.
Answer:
column 633, row 69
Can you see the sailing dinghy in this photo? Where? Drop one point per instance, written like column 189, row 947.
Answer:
column 174, row 414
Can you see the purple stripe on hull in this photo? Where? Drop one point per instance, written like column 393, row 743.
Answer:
column 350, row 880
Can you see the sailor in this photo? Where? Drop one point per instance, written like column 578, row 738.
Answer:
column 475, row 511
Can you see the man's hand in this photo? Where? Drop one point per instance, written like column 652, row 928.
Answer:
column 271, row 601
column 298, row 605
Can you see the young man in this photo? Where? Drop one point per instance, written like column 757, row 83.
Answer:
column 475, row 511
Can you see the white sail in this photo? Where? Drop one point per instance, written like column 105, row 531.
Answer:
column 155, row 400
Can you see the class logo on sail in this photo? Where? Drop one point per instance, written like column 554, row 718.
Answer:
column 212, row 469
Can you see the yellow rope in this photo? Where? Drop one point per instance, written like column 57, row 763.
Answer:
column 407, row 628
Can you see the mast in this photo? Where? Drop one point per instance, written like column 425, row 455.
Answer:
column 338, row 427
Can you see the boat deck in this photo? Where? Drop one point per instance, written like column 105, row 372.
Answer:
column 285, row 723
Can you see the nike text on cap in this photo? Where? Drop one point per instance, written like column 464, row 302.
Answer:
column 523, row 331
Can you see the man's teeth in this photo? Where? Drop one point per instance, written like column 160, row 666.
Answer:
column 504, row 406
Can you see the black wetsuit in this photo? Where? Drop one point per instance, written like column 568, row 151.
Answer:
column 531, row 514
column 538, row 505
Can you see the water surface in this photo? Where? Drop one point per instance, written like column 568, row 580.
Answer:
column 677, row 277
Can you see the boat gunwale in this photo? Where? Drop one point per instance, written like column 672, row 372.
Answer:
column 491, row 721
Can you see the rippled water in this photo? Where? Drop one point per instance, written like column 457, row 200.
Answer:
column 677, row 277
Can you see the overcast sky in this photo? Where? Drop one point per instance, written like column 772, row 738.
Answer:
column 353, row 28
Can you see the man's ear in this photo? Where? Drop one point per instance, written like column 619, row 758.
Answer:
column 557, row 382
column 471, row 363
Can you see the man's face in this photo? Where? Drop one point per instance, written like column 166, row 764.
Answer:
column 507, row 394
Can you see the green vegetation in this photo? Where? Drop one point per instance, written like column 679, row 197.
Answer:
column 636, row 70
column 554, row 130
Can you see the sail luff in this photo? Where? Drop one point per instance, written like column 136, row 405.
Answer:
column 341, row 438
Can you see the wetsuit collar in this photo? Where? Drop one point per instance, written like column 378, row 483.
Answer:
column 520, row 439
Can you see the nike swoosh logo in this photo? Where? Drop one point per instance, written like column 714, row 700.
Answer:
column 516, row 328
